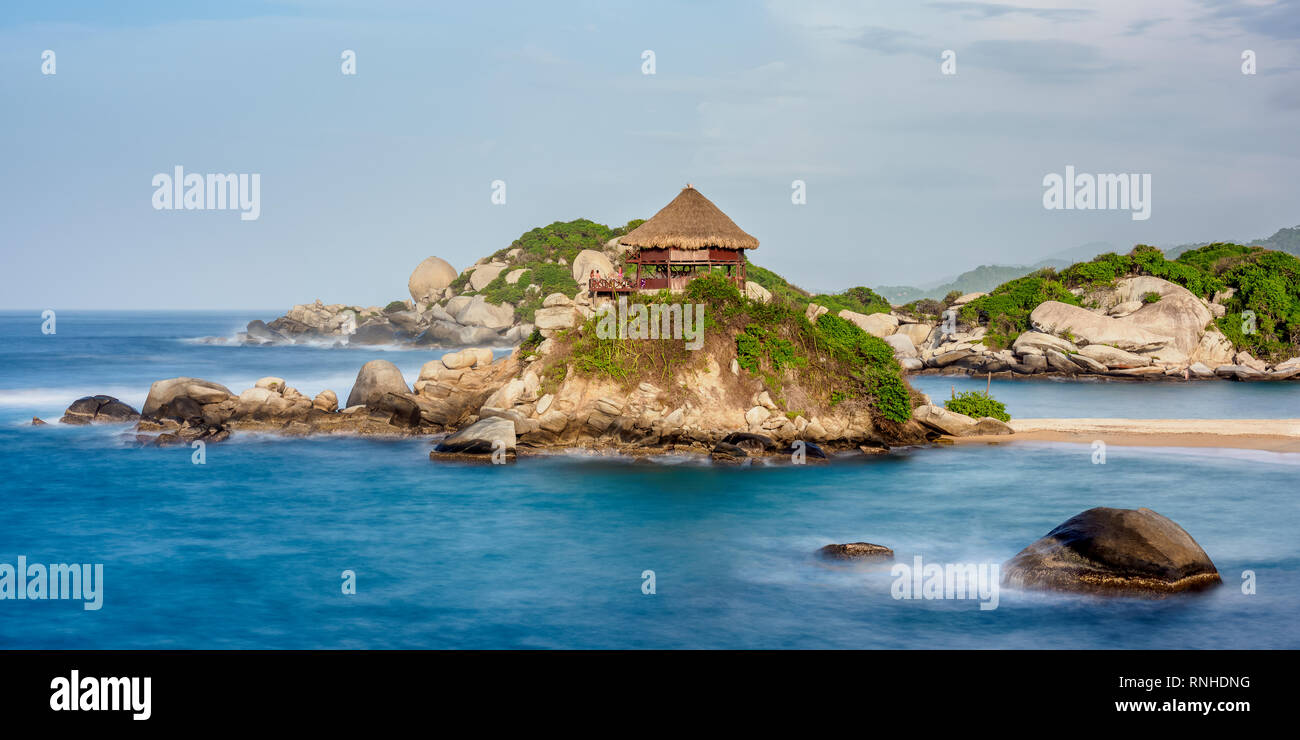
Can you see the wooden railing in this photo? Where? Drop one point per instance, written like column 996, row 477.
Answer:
column 610, row 285
column 630, row 285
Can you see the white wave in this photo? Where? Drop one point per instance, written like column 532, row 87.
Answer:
column 60, row 398
column 236, row 340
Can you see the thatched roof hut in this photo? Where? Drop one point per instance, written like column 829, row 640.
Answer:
column 688, row 238
column 690, row 221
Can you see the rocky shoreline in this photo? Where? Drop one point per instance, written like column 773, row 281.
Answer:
column 1143, row 328
column 470, row 406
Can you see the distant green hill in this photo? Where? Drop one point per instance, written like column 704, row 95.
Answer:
column 1284, row 240
column 980, row 280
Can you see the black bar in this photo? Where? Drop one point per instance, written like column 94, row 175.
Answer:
column 939, row 690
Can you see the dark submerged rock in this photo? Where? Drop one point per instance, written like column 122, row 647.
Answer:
column 1113, row 551
column 728, row 451
column 97, row 410
column 750, row 442
column 856, row 551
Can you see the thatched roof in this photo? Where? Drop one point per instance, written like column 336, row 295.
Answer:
column 690, row 221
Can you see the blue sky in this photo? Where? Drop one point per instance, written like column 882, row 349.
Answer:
column 911, row 175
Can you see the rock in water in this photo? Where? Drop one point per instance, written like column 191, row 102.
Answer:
column 856, row 551
column 376, row 378
column 753, row 444
column 259, row 333
column 98, row 410
column 1113, row 551
column 726, row 451
column 483, row 437
column 167, row 392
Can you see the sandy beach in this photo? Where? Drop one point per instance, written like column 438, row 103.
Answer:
column 1274, row 435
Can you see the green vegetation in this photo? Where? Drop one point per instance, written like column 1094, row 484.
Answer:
column 977, row 404
column 859, row 299
column 873, row 360
column 1150, row 297
column 825, row 364
column 1006, row 309
column 778, row 286
column 1260, row 289
column 395, row 306
column 549, row 278
column 926, row 308
column 1105, row 269
column 558, row 240
column 1263, row 315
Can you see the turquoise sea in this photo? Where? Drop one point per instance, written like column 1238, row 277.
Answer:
column 248, row 550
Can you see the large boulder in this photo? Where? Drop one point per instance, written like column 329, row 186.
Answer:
column 1178, row 314
column 1213, row 349
column 918, row 333
column 1113, row 358
column 1054, row 317
column 451, row 334
column 1036, row 343
column 484, row 274
column 876, row 324
column 944, row 421
column 481, row 438
column 430, row 278
column 374, row 331
column 1113, row 551
column 903, row 347
column 756, row 292
column 478, row 312
column 409, row 322
column 376, row 378
column 257, row 332
column 588, row 260
column 98, row 410
column 326, row 401
column 559, row 317
column 164, row 392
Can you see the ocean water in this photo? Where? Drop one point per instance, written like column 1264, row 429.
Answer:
column 248, row 550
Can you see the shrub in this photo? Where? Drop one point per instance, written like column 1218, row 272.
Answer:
column 395, row 306
column 1150, row 297
column 1105, row 269
column 925, row 307
column 977, row 404
column 873, row 360
column 559, row 239
column 1006, row 309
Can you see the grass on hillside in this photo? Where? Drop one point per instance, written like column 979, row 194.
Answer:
column 805, row 367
